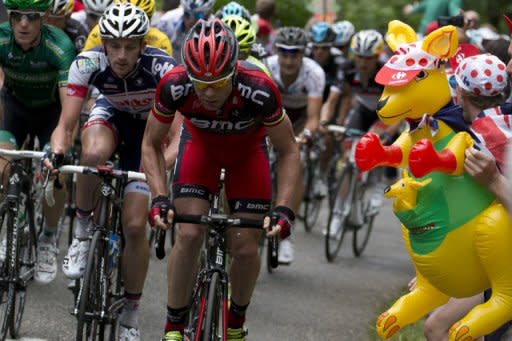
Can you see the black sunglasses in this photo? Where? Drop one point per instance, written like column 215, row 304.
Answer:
column 17, row 16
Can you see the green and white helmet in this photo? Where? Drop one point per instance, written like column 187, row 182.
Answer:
column 25, row 5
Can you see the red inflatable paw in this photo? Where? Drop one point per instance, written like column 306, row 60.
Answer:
column 424, row 159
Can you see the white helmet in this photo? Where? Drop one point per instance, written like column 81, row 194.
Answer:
column 344, row 31
column 97, row 6
column 367, row 43
column 124, row 20
column 197, row 5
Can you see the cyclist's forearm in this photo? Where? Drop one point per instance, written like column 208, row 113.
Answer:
column 287, row 176
column 152, row 155
column 62, row 137
column 314, row 108
column 329, row 106
column 154, row 168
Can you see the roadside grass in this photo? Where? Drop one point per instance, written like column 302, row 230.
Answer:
column 412, row 332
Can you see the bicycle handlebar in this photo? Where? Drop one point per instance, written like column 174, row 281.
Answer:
column 99, row 170
column 203, row 219
column 333, row 128
column 102, row 170
column 22, row 154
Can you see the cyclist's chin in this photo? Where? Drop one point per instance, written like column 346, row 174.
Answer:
column 211, row 105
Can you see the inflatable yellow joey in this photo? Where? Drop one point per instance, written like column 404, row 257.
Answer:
column 459, row 239
column 405, row 192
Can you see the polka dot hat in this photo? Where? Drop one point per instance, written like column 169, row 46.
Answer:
column 483, row 74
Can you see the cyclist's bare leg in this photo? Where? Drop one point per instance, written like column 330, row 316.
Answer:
column 53, row 213
column 136, row 250
column 299, row 192
column 184, row 253
column 98, row 144
column 243, row 246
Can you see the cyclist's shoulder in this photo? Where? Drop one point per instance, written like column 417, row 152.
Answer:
column 157, row 61
column 88, row 62
column 251, row 71
column 57, row 42
column 310, row 72
column 154, row 34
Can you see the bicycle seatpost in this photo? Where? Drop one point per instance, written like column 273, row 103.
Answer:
column 160, row 234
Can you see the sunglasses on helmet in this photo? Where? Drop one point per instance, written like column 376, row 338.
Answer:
column 215, row 84
column 17, row 16
column 289, row 50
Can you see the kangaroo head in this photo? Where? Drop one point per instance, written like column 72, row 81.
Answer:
column 405, row 190
column 415, row 81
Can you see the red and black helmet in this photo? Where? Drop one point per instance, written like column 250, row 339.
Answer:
column 210, row 50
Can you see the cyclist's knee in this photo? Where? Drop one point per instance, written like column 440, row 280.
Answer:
column 134, row 230
column 244, row 250
column 94, row 155
column 190, row 236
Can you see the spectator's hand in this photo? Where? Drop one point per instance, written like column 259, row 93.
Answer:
column 481, row 167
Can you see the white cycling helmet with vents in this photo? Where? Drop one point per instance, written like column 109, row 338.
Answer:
column 97, row 7
column 124, row 20
column 367, row 43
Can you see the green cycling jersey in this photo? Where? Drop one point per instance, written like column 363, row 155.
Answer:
column 32, row 76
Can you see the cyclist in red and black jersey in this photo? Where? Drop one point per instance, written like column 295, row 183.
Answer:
column 229, row 107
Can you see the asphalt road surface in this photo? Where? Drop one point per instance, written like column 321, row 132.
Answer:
column 309, row 300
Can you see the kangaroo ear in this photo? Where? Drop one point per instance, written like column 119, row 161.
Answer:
column 399, row 33
column 405, row 174
column 442, row 43
column 425, row 182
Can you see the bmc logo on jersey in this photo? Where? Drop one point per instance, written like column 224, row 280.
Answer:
column 254, row 95
column 222, row 126
column 399, row 75
column 159, row 68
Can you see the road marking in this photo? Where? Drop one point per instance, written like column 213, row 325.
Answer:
column 26, row 339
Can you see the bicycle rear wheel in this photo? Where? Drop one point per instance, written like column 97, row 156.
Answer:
column 89, row 300
column 215, row 325
column 337, row 224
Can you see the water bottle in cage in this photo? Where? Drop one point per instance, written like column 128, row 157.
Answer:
column 113, row 250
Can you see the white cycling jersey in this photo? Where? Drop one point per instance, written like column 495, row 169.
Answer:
column 309, row 83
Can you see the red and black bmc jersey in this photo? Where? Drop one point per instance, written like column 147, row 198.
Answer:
column 255, row 102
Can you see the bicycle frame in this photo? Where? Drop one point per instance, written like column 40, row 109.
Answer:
column 214, row 267
column 19, row 266
column 99, row 272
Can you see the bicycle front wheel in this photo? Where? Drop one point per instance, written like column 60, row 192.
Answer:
column 89, row 300
column 362, row 233
column 338, row 214
column 215, row 325
column 312, row 200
